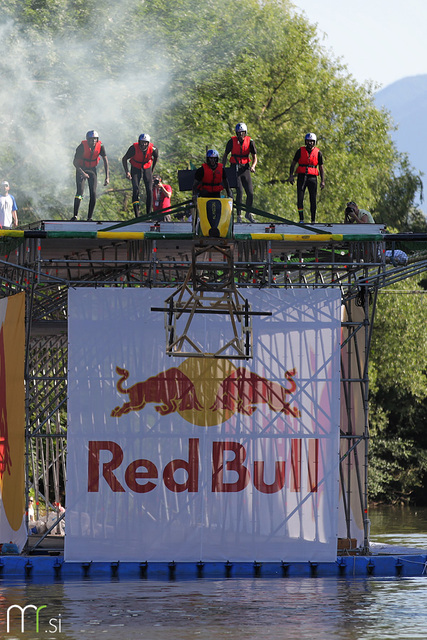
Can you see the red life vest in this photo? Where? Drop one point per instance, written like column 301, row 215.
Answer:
column 90, row 156
column 307, row 163
column 212, row 179
column 141, row 159
column 240, row 152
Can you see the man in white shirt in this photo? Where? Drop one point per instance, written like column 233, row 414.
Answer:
column 8, row 208
column 354, row 214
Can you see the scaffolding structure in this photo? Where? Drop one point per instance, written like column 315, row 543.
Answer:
column 47, row 259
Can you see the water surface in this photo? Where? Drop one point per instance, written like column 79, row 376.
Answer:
column 282, row 608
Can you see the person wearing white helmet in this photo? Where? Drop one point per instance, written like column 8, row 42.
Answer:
column 143, row 156
column 8, row 208
column 210, row 179
column 241, row 147
column 310, row 164
column 86, row 159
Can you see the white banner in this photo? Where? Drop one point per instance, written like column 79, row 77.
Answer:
column 192, row 459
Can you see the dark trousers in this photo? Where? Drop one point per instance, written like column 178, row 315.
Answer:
column 243, row 182
column 147, row 176
column 307, row 182
column 80, row 186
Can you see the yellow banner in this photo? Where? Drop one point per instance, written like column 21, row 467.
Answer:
column 12, row 415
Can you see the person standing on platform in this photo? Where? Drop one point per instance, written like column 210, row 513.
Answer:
column 86, row 159
column 241, row 146
column 354, row 214
column 142, row 156
column 310, row 164
column 161, row 197
column 8, row 208
column 210, row 179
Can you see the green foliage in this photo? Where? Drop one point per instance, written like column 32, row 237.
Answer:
column 396, row 207
column 398, row 399
column 397, row 471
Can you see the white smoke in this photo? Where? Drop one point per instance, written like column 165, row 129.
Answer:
column 56, row 89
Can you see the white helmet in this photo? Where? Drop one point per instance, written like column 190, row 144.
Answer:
column 144, row 137
column 92, row 134
column 311, row 137
column 212, row 153
column 241, row 127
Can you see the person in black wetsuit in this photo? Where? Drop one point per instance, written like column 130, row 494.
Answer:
column 310, row 164
column 86, row 159
column 143, row 156
column 241, row 146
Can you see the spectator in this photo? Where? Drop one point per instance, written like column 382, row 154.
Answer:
column 8, row 208
column 310, row 164
column 142, row 156
column 161, row 197
column 86, row 159
column 354, row 214
column 397, row 257
column 31, row 509
column 241, row 146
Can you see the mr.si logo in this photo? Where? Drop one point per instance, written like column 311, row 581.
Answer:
column 54, row 624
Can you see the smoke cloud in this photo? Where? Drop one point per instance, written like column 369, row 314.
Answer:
column 55, row 88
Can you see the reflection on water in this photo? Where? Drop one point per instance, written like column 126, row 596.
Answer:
column 403, row 526
column 283, row 608
column 249, row 609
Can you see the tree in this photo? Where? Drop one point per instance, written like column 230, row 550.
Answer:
column 186, row 73
column 398, row 395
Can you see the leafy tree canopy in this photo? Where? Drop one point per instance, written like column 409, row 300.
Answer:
column 186, row 73
column 398, row 399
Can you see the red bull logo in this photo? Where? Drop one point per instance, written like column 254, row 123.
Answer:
column 243, row 389
column 170, row 390
column 207, row 393
column 231, row 472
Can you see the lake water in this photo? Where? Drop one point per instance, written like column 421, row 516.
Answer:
column 250, row 609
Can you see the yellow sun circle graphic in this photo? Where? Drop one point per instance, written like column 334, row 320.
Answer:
column 207, row 375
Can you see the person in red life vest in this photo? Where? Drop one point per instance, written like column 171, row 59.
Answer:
column 310, row 164
column 86, row 159
column 210, row 179
column 142, row 156
column 161, row 197
column 241, row 146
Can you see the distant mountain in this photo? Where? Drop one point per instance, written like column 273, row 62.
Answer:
column 406, row 99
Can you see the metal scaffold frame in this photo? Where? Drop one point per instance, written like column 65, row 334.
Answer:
column 45, row 266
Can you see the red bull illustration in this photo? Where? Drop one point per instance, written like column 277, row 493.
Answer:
column 239, row 392
column 243, row 389
column 172, row 390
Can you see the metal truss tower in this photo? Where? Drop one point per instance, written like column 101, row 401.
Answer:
column 48, row 258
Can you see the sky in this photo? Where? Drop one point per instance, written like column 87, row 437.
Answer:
column 379, row 40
